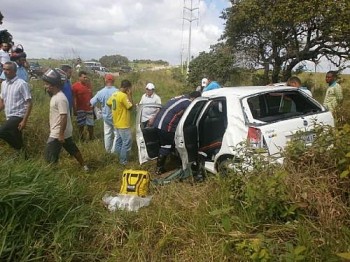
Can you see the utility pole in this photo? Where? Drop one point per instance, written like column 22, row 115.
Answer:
column 190, row 18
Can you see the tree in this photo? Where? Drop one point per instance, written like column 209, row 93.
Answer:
column 218, row 63
column 114, row 60
column 279, row 34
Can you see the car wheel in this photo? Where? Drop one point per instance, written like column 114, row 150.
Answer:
column 225, row 167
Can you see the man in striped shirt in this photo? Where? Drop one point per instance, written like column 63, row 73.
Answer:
column 16, row 100
column 166, row 122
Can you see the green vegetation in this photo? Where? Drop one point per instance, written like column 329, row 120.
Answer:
column 298, row 212
column 280, row 34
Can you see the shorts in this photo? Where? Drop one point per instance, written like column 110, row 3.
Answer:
column 53, row 148
column 85, row 118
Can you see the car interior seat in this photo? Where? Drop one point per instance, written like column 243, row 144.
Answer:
column 211, row 129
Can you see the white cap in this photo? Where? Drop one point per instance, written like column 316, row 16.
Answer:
column 204, row 82
column 150, row 86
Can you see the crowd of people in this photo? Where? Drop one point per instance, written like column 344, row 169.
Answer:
column 77, row 100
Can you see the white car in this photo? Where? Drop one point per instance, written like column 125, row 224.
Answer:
column 217, row 123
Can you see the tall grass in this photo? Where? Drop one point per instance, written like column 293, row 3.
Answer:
column 42, row 213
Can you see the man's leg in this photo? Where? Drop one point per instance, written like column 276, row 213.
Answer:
column 91, row 132
column 81, row 122
column 118, row 142
column 125, row 134
column 90, row 124
column 166, row 140
column 108, row 130
column 10, row 133
column 52, row 150
column 73, row 150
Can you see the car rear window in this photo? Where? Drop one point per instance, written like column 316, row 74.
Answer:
column 274, row 106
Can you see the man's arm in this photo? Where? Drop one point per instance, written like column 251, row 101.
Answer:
column 63, row 126
column 2, row 104
column 23, row 123
column 338, row 93
column 74, row 101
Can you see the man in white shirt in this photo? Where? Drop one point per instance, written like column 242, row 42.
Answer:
column 61, row 128
column 16, row 100
column 149, row 113
column 4, row 54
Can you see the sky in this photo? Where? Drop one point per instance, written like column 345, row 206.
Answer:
column 90, row 29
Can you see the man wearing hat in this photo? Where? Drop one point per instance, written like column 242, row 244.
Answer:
column 61, row 128
column 16, row 100
column 149, row 113
column 203, row 85
column 101, row 98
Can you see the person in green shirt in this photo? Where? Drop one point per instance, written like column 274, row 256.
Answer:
column 334, row 92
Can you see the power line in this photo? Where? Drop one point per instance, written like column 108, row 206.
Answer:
column 189, row 17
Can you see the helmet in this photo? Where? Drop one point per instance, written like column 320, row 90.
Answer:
column 55, row 77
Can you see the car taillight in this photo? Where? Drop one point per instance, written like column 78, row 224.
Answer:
column 254, row 137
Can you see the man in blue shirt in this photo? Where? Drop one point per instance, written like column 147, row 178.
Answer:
column 67, row 87
column 211, row 85
column 101, row 98
column 20, row 60
column 166, row 122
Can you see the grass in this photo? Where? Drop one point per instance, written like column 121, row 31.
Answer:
column 298, row 213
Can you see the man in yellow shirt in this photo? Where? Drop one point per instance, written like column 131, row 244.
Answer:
column 121, row 104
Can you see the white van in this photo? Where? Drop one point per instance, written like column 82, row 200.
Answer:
column 92, row 64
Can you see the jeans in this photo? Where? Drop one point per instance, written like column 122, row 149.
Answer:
column 123, row 144
column 109, row 136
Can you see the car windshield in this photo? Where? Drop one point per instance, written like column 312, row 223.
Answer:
column 274, row 106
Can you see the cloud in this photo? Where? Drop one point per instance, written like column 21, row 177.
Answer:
column 144, row 29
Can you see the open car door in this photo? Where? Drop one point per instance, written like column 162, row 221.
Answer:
column 186, row 135
column 146, row 135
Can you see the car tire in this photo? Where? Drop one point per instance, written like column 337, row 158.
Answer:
column 225, row 167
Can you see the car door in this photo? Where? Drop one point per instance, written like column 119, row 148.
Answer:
column 277, row 117
column 186, row 135
column 146, row 136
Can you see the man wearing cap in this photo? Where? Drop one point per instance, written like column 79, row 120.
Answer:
column 101, row 98
column 166, row 122
column 211, row 85
column 61, row 128
column 149, row 113
column 203, row 85
column 16, row 99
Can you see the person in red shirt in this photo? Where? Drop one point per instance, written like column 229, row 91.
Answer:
column 82, row 94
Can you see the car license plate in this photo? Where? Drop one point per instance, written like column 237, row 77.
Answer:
column 309, row 138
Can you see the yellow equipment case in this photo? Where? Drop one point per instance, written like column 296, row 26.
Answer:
column 135, row 182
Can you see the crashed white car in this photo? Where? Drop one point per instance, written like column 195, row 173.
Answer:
column 215, row 124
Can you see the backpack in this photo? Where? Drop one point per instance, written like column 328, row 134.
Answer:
column 135, row 182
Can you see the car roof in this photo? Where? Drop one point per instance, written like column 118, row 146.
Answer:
column 241, row 91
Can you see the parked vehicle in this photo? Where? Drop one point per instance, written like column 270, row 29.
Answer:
column 216, row 124
column 35, row 70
